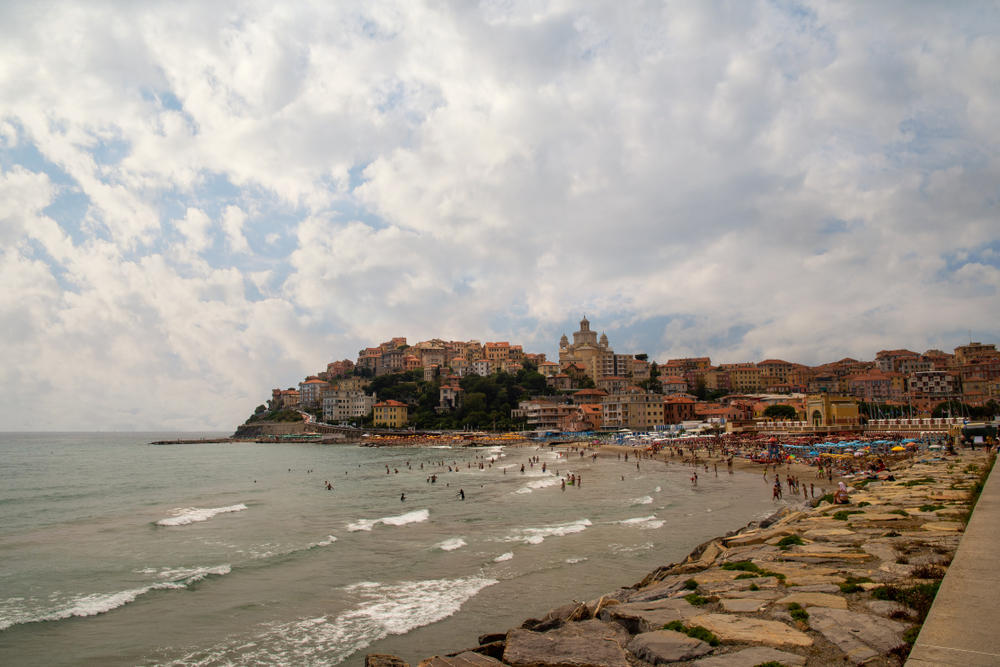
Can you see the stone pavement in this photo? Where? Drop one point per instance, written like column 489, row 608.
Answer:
column 962, row 626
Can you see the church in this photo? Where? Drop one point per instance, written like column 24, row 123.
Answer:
column 594, row 354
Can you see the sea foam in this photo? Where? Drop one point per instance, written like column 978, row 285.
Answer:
column 186, row 515
column 539, row 484
column 94, row 604
column 382, row 609
column 451, row 544
column 415, row 516
column 644, row 522
column 502, row 557
column 538, row 535
column 645, row 500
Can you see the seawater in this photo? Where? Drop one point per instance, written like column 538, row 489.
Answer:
column 117, row 552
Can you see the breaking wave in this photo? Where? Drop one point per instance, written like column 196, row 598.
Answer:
column 538, row 535
column 644, row 522
column 382, row 610
column 451, row 544
column 416, row 516
column 183, row 516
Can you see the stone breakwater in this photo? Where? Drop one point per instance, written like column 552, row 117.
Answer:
column 824, row 585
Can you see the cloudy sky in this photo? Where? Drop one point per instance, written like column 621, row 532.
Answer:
column 200, row 201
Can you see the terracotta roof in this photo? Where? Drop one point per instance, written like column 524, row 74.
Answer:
column 390, row 404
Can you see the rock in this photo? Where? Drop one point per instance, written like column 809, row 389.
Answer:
column 384, row 660
column 888, row 608
column 945, row 526
column 467, row 659
column 714, row 575
column 492, row 637
column 742, row 604
column 815, row 600
column 751, row 630
column 639, row 617
column 583, row 644
column 665, row 646
column 728, row 587
column 656, row 591
column 861, row 636
column 772, row 594
column 574, row 611
column 826, row 532
column 818, row 588
column 750, row 657
column 875, row 516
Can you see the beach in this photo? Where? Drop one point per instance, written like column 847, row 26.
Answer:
column 815, row 584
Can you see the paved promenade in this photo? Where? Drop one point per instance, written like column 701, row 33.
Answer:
column 963, row 627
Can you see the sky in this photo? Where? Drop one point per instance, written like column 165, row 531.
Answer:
column 201, row 201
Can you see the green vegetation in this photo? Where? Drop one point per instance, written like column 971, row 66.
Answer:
column 955, row 408
column 919, row 481
column 931, row 508
column 864, row 503
column 852, row 584
column 273, row 416
column 753, row 587
column 788, row 541
column 780, row 412
column 918, row 597
column 899, row 512
column 747, row 566
column 747, row 575
column 691, row 585
column 828, row 499
column 696, row 600
column 910, row 634
column 843, row 514
column 696, row 631
column 487, row 403
column 797, row 612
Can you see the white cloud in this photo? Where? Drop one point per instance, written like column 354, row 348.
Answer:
column 202, row 201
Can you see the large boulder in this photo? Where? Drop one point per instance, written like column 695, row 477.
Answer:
column 384, row 660
column 750, row 657
column 666, row 646
column 861, row 636
column 589, row 643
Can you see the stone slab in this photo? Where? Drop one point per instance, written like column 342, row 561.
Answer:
column 730, row 628
column 467, row 659
column 741, row 605
column 750, row 657
column 583, row 644
column 861, row 636
column 665, row 646
column 639, row 617
column 807, row 599
column 944, row 526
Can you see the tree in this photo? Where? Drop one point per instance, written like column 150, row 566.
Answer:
column 780, row 412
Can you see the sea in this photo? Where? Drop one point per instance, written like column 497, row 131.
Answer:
column 115, row 551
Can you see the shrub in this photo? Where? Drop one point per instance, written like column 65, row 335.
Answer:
column 828, row 498
column 864, row 503
column 691, row 585
column 919, row 597
column 919, row 481
column 843, row 514
column 697, row 631
column 788, row 541
column 696, row 600
column 899, row 512
column 931, row 508
column 928, row 572
column 747, row 575
column 851, row 585
column 742, row 565
column 754, row 587
column 797, row 612
column 910, row 634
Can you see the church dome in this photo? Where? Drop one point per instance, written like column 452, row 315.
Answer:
column 604, row 340
column 584, row 324
column 564, row 341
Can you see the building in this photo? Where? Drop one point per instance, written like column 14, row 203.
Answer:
column 744, row 377
column 283, row 399
column 829, row 410
column 595, row 356
column 341, row 405
column 391, row 414
column 931, row 384
column 876, row 386
column 678, row 408
column 635, row 410
column 673, row 384
column 544, row 413
column 450, row 396
column 311, row 391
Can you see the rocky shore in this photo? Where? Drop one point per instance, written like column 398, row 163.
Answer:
column 824, row 585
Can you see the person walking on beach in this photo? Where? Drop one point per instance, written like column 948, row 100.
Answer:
column 461, row 494
column 776, row 493
column 402, row 497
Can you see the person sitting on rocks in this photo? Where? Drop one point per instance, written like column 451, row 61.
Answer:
column 840, row 496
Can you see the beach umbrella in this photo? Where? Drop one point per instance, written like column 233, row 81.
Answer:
column 898, row 448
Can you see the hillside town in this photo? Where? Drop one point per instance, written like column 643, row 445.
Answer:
column 592, row 388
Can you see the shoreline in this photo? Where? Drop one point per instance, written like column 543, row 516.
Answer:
column 784, row 589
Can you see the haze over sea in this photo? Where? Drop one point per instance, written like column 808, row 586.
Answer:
column 117, row 552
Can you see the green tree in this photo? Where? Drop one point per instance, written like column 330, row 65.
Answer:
column 780, row 412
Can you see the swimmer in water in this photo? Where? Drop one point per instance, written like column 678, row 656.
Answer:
column 402, row 497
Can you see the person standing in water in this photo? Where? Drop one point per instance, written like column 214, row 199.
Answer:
column 402, row 497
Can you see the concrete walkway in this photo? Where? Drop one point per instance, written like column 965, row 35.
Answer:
column 963, row 626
